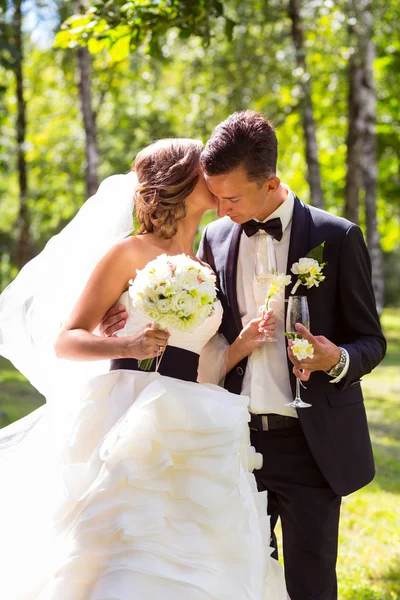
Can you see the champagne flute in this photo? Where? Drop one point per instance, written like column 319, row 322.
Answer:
column 265, row 266
column 297, row 313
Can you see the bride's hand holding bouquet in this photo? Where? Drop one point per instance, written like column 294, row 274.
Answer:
column 147, row 343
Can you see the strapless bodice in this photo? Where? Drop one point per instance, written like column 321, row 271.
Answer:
column 187, row 340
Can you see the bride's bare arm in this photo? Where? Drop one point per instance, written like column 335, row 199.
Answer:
column 110, row 278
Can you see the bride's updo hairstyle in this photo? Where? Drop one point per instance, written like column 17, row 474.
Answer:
column 167, row 171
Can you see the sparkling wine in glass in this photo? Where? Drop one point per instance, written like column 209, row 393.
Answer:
column 265, row 266
column 297, row 313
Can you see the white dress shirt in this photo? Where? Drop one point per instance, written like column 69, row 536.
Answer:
column 266, row 379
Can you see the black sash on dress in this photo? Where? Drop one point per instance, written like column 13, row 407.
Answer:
column 176, row 362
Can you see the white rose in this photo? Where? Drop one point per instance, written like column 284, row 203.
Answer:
column 164, row 305
column 188, row 279
column 148, row 302
column 161, row 289
column 304, row 265
column 184, row 303
column 169, row 321
column 207, row 290
column 206, row 310
column 153, row 314
column 182, row 262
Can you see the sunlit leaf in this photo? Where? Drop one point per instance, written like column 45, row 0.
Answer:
column 120, row 49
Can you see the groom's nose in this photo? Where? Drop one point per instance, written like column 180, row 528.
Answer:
column 222, row 207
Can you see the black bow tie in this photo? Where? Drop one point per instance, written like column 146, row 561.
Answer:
column 272, row 227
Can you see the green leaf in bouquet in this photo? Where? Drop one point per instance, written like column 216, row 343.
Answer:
column 317, row 253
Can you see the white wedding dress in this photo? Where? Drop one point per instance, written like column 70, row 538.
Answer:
column 138, row 486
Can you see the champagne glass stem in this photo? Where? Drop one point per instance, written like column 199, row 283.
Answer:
column 298, row 397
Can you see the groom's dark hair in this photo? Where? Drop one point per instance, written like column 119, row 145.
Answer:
column 245, row 138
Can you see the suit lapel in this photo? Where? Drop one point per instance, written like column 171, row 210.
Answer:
column 231, row 274
column 299, row 239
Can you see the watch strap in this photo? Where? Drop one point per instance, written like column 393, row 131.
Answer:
column 340, row 365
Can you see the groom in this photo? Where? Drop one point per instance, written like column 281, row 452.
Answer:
column 314, row 456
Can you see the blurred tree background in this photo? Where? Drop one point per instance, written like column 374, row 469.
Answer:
column 85, row 85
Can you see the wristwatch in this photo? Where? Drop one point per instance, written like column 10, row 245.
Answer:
column 340, row 365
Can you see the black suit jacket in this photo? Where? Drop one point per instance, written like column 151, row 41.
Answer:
column 343, row 309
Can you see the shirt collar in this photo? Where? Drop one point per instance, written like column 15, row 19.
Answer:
column 285, row 211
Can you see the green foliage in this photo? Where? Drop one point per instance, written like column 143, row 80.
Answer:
column 123, row 27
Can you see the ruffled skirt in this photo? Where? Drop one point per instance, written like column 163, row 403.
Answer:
column 148, row 488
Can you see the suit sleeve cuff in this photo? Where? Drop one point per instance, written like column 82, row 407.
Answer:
column 345, row 369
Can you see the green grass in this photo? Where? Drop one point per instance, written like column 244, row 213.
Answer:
column 369, row 555
column 369, row 558
column 17, row 396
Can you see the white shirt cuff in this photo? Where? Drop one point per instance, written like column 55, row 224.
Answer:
column 345, row 369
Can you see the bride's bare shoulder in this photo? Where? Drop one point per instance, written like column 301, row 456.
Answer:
column 137, row 250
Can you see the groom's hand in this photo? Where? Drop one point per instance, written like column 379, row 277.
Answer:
column 326, row 355
column 113, row 320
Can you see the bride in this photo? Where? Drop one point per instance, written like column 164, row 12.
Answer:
column 128, row 484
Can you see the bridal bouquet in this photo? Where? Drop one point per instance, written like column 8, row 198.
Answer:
column 174, row 292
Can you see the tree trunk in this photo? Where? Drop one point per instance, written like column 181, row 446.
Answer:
column 369, row 159
column 307, row 111
column 354, row 140
column 24, row 243
column 89, row 121
column 362, row 141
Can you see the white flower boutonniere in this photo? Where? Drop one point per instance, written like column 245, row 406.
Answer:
column 309, row 269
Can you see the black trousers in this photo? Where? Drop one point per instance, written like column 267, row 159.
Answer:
column 308, row 508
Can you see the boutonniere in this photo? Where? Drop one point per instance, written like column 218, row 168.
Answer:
column 309, row 269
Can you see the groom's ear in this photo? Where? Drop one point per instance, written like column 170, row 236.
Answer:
column 272, row 184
